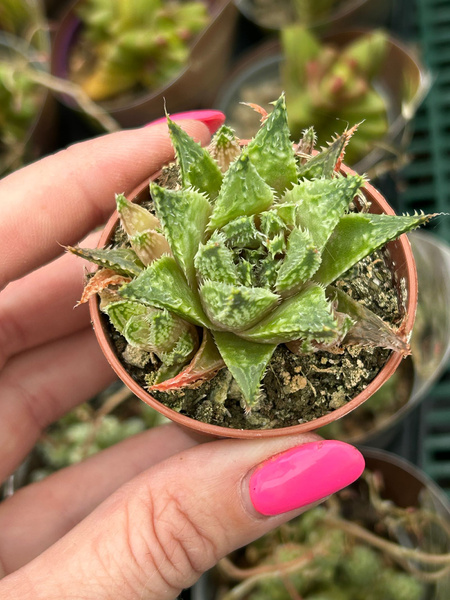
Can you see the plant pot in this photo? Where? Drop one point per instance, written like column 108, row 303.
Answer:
column 39, row 136
column 404, row 484
column 402, row 82
column 430, row 346
column 195, row 85
column 348, row 14
column 403, row 268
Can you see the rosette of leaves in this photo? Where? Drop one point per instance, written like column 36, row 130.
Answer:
column 324, row 83
column 141, row 44
column 224, row 269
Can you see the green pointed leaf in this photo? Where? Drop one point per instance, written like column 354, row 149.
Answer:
column 357, row 235
column 214, row 262
column 243, row 192
column 235, row 307
column 246, row 361
column 203, row 366
column 137, row 332
column 286, row 212
column 301, row 262
column 184, row 216
column 266, row 272
column 173, row 340
column 149, row 245
column 321, row 203
column 322, row 165
column 271, row 151
column 242, row 233
column 307, row 315
column 198, row 168
column 224, row 147
column 120, row 312
column 306, row 144
column 134, row 218
column 122, row 260
column 181, row 352
column 271, row 223
column 163, row 285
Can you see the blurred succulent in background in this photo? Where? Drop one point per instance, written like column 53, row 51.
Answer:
column 232, row 265
column 356, row 546
column 90, row 428
column 20, row 101
column 125, row 45
column 326, row 85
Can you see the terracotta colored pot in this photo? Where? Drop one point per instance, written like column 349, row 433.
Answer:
column 404, row 484
column 194, row 87
column 402, row 81
column 404, row 270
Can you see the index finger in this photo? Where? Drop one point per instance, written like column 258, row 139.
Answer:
column 59, row 199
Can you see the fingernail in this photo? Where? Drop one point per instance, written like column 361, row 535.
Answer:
column 213, row 119
column 303, row 475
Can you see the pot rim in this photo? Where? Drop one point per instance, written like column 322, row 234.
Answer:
column 219, row 431
column 335, row 15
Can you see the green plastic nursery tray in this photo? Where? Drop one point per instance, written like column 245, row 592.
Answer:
column 426, row 186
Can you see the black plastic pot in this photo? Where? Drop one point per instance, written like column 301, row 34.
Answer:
column 404, row 484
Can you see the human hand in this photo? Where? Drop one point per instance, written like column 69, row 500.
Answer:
column 145, row 518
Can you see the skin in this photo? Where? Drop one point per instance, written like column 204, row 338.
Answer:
column 146, row 517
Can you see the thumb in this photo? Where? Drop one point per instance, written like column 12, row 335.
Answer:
column 159, row 532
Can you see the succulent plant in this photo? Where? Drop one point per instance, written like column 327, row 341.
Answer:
column 324, row 84
column 124, row 45
column 230, row 265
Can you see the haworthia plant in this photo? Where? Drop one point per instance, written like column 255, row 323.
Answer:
column 243, row 256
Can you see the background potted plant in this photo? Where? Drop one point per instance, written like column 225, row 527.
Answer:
column 27, row 109
column 250, row 323
column 131, row 56
column 348, row 77
column 386, row 537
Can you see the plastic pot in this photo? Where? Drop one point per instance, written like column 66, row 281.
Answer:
column 195, row 85
column 404, row 484
column 402, row 81
column 347, row 13
column 404, row 271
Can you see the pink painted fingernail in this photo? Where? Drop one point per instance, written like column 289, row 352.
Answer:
column 213, row 119
column 303, row 475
